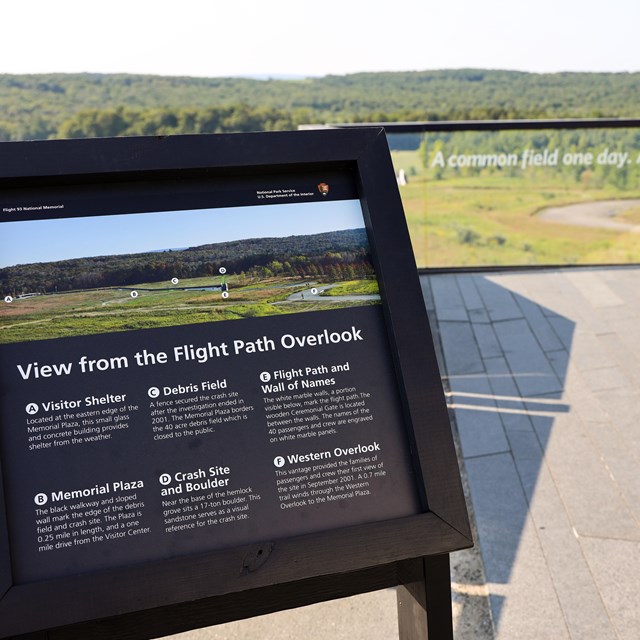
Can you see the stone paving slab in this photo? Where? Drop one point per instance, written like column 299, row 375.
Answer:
column 556, row 508
column 450, row 304
column 613, row 344
column 370, row 616
column 619, row 460
column 593, row 500
column 481, row 432
column 539, row 324
column 579, row 597
column 499, row 302
column 487, row 340
column 595, row 289
column 615, row 565
column 531, row 370
column 472, row 299
column 460, row 348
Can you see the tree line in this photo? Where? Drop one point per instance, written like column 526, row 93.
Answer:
column 337, row 255
column 85, row 105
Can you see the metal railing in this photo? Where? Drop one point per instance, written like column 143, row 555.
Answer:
column 518, row 193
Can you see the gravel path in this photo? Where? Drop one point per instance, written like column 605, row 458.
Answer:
column 593, row 214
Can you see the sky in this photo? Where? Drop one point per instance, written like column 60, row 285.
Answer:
column 31, row 241
column 300, row 38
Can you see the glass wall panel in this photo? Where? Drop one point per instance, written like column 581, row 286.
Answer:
column 521, row 197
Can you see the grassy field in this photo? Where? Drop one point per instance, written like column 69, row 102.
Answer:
column 108, row 310
column 353, row 288
column 490, row 219
column 631, row 216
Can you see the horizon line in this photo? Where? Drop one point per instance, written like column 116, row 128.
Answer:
column 297, row 77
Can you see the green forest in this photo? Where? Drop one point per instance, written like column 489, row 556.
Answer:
column 90, row 105
column 336, row 255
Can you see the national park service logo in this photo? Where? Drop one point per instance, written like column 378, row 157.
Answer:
column 323, row 188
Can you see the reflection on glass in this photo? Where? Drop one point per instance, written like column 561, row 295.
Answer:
column 557, row 196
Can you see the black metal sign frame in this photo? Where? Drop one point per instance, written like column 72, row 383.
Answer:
column 156, row 598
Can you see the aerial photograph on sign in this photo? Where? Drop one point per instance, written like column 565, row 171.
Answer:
column 99, row 274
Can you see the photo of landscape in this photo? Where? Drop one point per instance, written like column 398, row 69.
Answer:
column 322, row 263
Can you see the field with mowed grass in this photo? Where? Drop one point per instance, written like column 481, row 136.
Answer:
column 94, row 311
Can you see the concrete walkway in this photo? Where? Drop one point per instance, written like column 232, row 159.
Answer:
column 543, row 373
column 544, row 376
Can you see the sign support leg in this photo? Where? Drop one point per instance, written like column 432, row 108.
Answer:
column 424, row 600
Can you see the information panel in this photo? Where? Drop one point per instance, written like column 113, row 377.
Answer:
column 191, row 366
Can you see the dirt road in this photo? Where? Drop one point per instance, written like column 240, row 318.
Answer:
column 599, row 214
